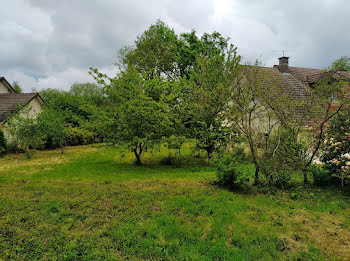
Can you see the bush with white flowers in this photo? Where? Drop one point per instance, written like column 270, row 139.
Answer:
column 336, row 148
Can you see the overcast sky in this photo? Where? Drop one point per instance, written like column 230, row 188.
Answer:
column 52, row 44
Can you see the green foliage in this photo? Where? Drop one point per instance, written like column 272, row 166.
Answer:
column 283, row 155
column 208, row 94
column 276, row 174
column 91, row 93
column 17, row 87
column 231, row 170
column 336, row 152
column 3, row 143
column 24, row 131
column 83, row 107
column 141, row 123
column 175, row 142
column 76, row 136
column 341, row 64
column 52, row 127
column 154, row 53
column 321, row 176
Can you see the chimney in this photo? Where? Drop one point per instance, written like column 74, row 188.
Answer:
column 283, row 66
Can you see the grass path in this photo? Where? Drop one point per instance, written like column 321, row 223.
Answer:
column 91, row 203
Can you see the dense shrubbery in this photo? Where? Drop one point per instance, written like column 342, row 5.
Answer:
column 336, row 148
column 76, row 136
column 321, row 176
column 3, row 145
column 231, row 169
column 84, row 111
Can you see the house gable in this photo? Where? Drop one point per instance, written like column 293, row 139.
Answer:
column 5, row 86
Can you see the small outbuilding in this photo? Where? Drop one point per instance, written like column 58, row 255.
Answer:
column 12, row 102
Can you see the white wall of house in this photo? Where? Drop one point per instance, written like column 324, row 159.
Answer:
column 3, row 88
column 31, row 110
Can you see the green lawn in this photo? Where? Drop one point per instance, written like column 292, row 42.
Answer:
column 91, row 203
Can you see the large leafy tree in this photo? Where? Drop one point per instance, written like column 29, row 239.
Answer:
column 142, row 115
column 154, row 53
column 51, row 125
column 91, row 93
column 84, row 108
column 209, row 91
column 190, row 76
column 140, row 123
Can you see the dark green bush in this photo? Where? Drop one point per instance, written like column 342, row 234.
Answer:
column 76, row 136
column 2, row 143
column 230, row 170
column 276, row 175
column 321, row 176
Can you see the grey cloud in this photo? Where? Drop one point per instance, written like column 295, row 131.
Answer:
column 53, row 43
column 191, row 14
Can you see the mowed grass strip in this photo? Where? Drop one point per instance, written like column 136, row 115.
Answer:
column 92, row 203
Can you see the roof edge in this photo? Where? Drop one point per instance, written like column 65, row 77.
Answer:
column 7, row 84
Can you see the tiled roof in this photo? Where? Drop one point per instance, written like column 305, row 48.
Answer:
column 296, row 84
column 12, row 102
column 287, row 83
column 308, row 75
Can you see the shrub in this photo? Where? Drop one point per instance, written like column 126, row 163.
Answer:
column 25, row 131
column 336, row 148
column 2, row 143
column 275, row 174
column 231, row 171
column 321, row 176
column 285, row 154
column 76, row 136
column 52, row 127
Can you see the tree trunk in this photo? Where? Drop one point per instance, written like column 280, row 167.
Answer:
column 138, row 159
column 256, row 177
column 28, row 155
column 305, row 178
column 138, row 154
column 209, row 155
column 255, row 160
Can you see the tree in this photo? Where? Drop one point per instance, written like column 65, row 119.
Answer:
column 51, row 125
column 328, row 98
column 274, row 123
column 85, row 108
column 89, row 92
column 154, row 53
column 141, row 114
column 140, row 123
column 208, row 93
column 17, row 87
column 341, row 64
column 249, row 111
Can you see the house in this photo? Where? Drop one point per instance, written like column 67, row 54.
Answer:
column 295, row 83
column 12, row 102
column 298, row 78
